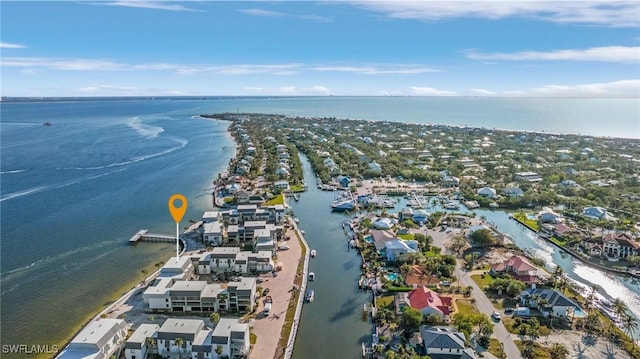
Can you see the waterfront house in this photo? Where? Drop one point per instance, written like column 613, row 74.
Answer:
column 547, row 215
column 426, row 301
column 212, row 216
column 420, row 216
column 487, row 192
column 445, row 342
column 100, row 338
column 619, row 245
column 450, row 181
column 223, row 259
column 282, row 172
column 419, row 276
column 180, row 268
column 396, row 248
column 344, row 181
column 384, row 223
column 518, row 267
column 380, row 237
column 593, row 246
column 549, row 302
column 137, row 346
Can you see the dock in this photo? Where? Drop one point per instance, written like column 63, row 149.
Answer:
column 144, row 235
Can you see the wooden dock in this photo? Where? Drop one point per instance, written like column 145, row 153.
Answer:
column 143, row 235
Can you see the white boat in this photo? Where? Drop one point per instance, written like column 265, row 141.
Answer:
column 309, row 296
column 312, row 276
column 313, row 253
column 353, row 243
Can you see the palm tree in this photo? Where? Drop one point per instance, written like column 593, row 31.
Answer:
column 558, row 351
column 215, row 317
column 179, row 343
column 620, row 308
column 144, row 272
column 557, row 273
column 219, row 349
column 589, row 300
column 629, row 325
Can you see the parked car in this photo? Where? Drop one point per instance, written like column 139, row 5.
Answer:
column 495, row 315
column 265, row 291
column 509, row 310
column 259, row 280
column 283, row 247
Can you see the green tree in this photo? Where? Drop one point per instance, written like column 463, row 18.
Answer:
column 629, row 324
column 410, row 319
column 215, row 318
column 458, row 243
column 620, row 308
column 558, row 351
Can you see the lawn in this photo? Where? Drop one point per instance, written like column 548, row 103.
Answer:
column 406, row 236
column 465, row 306
column 385, row 301
column 279, row 199
column 482, row 282
column 531, row 223
column 297, row 188
column 495, row 347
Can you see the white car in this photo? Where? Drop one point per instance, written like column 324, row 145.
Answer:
column 495, row 315
column 283, row 247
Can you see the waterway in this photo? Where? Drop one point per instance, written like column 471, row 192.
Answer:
column 330, row 326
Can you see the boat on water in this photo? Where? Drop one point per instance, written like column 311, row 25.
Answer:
column 451, row 205
column 295, row 219
column 341, row 206
column 47, row 123
column 312, row 276
column 308, row 297
column 296, row 197
column 313, row 253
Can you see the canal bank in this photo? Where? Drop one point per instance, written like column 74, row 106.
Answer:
column 330, row 326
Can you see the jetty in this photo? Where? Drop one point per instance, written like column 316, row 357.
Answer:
column 144, row 235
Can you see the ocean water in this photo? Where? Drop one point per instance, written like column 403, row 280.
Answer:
column 73, row 193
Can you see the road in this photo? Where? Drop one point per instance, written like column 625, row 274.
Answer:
column 483, row 303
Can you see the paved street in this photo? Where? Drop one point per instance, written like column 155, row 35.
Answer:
column 483, row 303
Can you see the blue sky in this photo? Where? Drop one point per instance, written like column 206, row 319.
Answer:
column 428, row 48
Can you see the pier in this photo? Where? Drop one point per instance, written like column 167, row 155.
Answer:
column 144, row 235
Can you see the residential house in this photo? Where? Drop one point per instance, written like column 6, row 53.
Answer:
column 344, row 181
column 380, row 237
column 420, row 216
column 528, row 177
column 487, row 192
column 547, row 215
column 178, row 268
column 173, row 328
column 281, row 185
column 518, row 267
column 282, row 172
column 619, row 245
column 231, row 338
column 596, row 212
column 450, row 181
column 549, row 302
column 396, row 248
column 384, row 223
column 241, row 294
column 214, row 233
column 445, row 342
column 375, row 166
column 137, row 346
column 426, row 301
column 100, row 338
column 593, row 246
column 512, row 192
column 419, row 276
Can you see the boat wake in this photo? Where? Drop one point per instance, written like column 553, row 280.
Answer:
column 11, row 172
column 143, row 129
column 38, row 189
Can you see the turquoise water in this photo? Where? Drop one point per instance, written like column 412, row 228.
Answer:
column 368, row 239
column 391, row 276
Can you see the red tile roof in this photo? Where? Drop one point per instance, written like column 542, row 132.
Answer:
column 423, row 297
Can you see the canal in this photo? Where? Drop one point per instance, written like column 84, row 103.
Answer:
column 330, row 326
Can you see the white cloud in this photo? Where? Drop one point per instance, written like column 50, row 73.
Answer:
column 629, row 54
column 253, row 88
column 270, row 13
column 287, row 89
column 483, row 92
column 109, row 88
column 622, row 88
column 430, row 91
column 320, row 90
column 143, row 4
column 599, row 12
column 372, row 70
column 6, row 45
column 108, row 65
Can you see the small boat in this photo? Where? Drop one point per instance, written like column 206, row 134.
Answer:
column 296, row 219
column 312, row 276
column 313, row 253
column 308, row 297
column 47, row 123
column 353, row 243
column 296, row 197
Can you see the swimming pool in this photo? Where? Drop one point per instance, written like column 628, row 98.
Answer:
column 391, row 276
column 368, row 239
